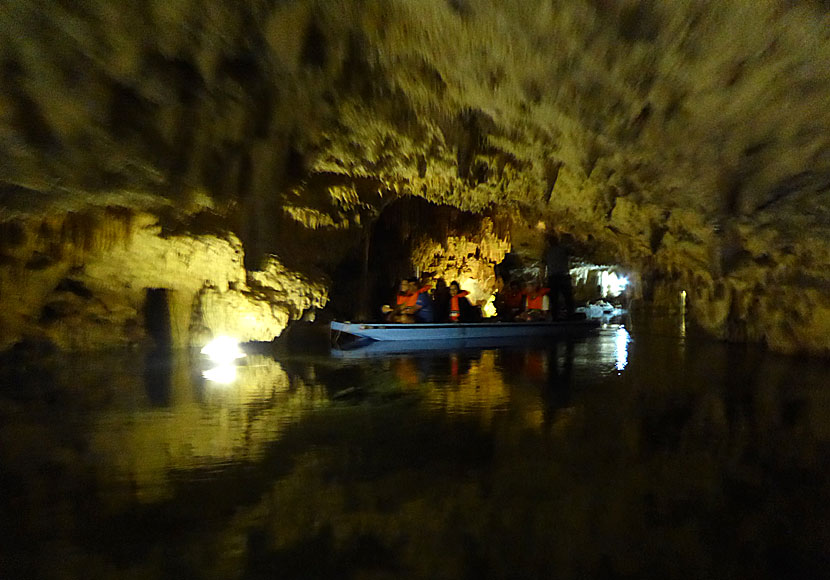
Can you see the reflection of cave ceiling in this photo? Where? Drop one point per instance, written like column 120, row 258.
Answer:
column 691, row 140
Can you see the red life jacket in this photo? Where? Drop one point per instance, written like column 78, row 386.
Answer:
column 514, row 299
column 535, row 365
column 455, row 309
column 535, row 301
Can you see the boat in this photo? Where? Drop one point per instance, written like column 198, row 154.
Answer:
column 464, row 330
column 602, row 311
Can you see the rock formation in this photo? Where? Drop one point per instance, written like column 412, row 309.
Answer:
column 688, row 142
column 112, row 278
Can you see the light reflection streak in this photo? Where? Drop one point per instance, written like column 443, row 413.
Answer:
column 223, row 374
column 621, row 341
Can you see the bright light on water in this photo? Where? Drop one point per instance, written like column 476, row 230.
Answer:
column 223, row 374
column 223, row 350
column 621, row 343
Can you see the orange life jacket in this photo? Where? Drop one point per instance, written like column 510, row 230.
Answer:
column 407, row 300
column 455, row 309
column 535, row 301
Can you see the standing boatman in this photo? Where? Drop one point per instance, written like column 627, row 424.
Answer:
column 557, row 261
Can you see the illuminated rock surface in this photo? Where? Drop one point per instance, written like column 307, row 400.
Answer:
column 109, row 279
column 689, row 142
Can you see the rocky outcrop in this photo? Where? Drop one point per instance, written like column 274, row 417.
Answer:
column 114, row 278
column 470, row 260
column 687, row 142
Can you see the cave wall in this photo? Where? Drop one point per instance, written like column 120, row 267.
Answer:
column 688, row 141
column 103, row 279
column 468, row 259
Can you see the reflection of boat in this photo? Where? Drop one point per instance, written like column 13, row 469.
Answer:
column 460, row 331
column 365, row 348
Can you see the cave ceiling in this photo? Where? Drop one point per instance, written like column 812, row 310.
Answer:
column 686, row 138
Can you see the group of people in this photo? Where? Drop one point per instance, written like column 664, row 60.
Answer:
column 530, row 304
column 533, row 302
column 418, row 302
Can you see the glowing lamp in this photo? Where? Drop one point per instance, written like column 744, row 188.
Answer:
column 223, row 350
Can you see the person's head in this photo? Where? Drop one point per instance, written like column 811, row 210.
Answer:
column 404, row 287
column 454, row 288
column 440, row 284
column 414, row 284
column 533, row 286
column 559, row 238
column 515, row 286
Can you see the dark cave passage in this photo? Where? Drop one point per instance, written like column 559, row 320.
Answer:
column 157, row 317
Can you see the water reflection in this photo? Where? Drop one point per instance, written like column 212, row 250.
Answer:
column 537, row 461
column 158, row 368
column 222, row 374
column 556, row 391
column 621, row 343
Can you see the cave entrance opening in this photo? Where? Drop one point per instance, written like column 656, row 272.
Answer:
column 410, row 237
column 157, row 317
column 595, row 282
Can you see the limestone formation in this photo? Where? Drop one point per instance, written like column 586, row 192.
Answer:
column 687, row 141
column 469, row 260
column 113, row 278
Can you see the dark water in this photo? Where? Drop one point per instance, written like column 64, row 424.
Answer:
column 614, row 456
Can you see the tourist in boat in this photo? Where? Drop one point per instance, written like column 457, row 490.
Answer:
column 405, row 304
column 557, row 261
column 510, row 302
column 410, row 303
column 535, row 307
column 460, row 308
column 424, row 311
column 441, row 301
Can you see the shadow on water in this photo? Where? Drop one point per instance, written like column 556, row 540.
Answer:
column 619, row 455
column 158, row 379
column 556, row 391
